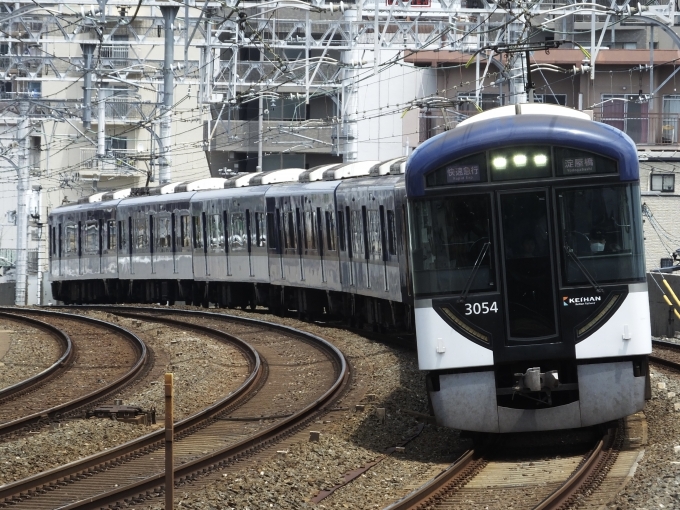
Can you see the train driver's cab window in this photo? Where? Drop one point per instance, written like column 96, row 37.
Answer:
column 91, row 238
column 70, row 239
column 452, row 245
column 599, row 238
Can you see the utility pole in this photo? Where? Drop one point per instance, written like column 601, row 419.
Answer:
column 22, row 205
column 88, row 53
column 101, row 124
column 165, row 160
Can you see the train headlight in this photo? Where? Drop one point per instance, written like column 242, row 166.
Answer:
column 519, row 160
column 540, row 160
column 499, row 163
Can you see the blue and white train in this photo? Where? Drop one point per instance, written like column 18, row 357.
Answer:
column 512, row 244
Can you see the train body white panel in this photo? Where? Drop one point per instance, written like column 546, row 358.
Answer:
column 435, row 335
column 608, row 341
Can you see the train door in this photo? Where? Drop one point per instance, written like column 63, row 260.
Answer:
column 528, row 268
column 60, row 248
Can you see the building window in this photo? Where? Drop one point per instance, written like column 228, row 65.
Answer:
column 560, row 99
column 663, row 182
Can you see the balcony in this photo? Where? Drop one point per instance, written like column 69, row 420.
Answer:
column 648, row 129
column 125, row 110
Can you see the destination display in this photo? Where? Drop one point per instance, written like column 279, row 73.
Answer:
column 463, row 173
column 578, row 166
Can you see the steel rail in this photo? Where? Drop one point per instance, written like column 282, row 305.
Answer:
column 68, row 407
column 438, row 484
column 38, row 379
column 151, row 441
column 231, row 453
column 24, row 488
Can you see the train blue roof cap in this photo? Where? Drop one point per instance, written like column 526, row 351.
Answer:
column 520, row 130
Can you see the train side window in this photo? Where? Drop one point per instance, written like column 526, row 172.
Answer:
column 383, row 234
column 271, row 232
column 341, row 229
column 197, row 232
column 130, row 234
column 123, row 237
column 308, row 222
column 59, row 241
column 153, row 240
column 350, row 240
column 249, row 229
column 298, row 224
column 100, row 228
column 71, row 234
column 289, row 225
column 391, row 233
column 357, row 232
column 261, row 228
column 237, row 234
column 141, row 234
column 373, row 233
column 330, row 231
column 184, row 231
column 364, row 227
column 225, row 230
column 53, row 244
column 173, row 232
column 164, row 232
column 112, row 237
column 79, row 240
column 215, row 232
column 319, row 229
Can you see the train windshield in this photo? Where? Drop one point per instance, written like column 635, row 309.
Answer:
column 599, row 238
column 451, row 246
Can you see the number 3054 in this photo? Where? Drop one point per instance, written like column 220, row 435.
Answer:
column 480, row 308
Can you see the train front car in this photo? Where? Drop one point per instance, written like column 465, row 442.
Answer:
column 528, row 269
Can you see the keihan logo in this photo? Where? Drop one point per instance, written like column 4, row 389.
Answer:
column 580, row 301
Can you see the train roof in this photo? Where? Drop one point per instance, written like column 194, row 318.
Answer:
column 555, row 126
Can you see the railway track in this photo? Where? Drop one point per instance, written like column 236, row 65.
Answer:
column 96, row 355
column 493, row 477
column 244, row 422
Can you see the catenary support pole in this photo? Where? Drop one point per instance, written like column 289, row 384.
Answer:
column 165, row 160
column 22, row 206
column 88, row 53
column 101, row 124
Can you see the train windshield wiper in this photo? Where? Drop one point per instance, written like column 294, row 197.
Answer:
column 570, row 253
column 475, row 268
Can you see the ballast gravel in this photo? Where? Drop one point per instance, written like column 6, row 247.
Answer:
column 389, row 378
column 24, row 352
column 205, row 370
column 656, row 483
